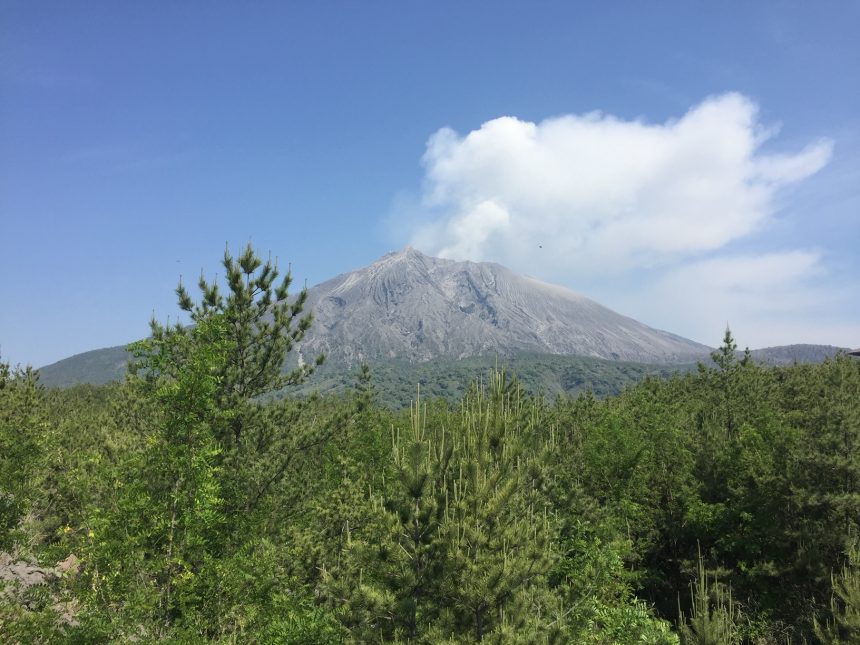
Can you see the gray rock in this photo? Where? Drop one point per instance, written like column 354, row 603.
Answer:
column 415, row 307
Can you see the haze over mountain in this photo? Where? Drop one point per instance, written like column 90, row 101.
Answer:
column 412, row 308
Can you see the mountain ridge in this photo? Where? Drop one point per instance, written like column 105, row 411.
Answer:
column 407, row 306
column 410, row 304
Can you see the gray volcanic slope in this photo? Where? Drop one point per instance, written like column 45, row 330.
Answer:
column 411, row 306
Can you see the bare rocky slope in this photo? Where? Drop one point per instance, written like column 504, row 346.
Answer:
column 410, row 306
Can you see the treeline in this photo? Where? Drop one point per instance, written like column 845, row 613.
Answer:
column 719, row 506
column 545, row 375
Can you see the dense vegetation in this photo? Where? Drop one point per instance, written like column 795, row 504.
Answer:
column 395, row 380
column 183, row 505
column 546, row 375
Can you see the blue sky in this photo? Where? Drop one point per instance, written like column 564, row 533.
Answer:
column 691, row 164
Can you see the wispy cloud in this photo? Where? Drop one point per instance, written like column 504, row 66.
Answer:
column 770, row 298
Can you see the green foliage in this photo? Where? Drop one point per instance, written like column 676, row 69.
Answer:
column 545, row 375
column 844, row 627
column 258, row 444
column 396, row 599
column 497, row 532
column 262, row 322
column 152, row 543
column 250, row 596
column 458, row 544
column 713, row 617
column 725, row 355
column 205, row 462
column 203, row 508
column 454, row 548
column 21, row 420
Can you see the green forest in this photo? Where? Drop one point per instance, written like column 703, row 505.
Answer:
column 188, row 504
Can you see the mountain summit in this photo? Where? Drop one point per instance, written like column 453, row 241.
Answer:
column 412, row 306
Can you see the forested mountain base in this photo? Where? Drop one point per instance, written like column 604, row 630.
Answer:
column 717, row 506
column 544, row 375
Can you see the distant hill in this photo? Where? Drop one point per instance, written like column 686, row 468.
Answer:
column 97, row 367
column 791, row 354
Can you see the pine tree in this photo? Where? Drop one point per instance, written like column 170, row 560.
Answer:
column 263, row 325
column 390, row 585
column 460, row 545
column 713, row 618
column 822, row 403
column 365, row 390
column 498, row 539
column 728, row 366
column 201, row 487
column 260, row 444
column 844, row 627
column 724, row 356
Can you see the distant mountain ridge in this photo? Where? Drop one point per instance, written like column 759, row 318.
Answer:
column 408, row 307
column 791, row 354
